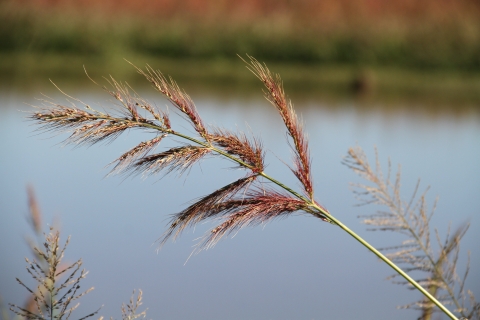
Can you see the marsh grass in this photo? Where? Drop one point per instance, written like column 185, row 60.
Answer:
column 58, row 283
column 248, row 201
column 412, row 219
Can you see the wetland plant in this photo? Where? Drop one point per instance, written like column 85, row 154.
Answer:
column 58, row 283
column 247, row 201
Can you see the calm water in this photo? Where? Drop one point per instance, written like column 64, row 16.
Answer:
column 296, row 268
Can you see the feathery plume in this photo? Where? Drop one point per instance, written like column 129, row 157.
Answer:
column 412, row 219
column 129, row 310
column 139, row 151
column 253, row 207
column 180, row 159
column 200, row 209
column 53, row 298
column 276, row 96
column 258, row 207
column 179, row 98
column 131, row 103
column 239, row 145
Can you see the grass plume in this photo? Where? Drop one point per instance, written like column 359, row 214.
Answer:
column 53, row 299
column 130, row 310
column 412, row 219
column 244, row 202
column 276, row 96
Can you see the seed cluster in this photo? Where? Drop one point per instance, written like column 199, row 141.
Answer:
column 241, row 203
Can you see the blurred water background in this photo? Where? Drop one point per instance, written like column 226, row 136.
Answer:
column 403, row 77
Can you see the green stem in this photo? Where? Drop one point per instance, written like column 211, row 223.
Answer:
column 330, row 218
column 394, row 267
column 321, row 212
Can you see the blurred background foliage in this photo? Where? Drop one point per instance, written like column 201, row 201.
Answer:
column 423, row 46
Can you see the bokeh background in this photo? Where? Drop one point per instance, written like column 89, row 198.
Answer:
column 402, row 76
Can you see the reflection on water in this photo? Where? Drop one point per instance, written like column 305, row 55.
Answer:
column 293, row 268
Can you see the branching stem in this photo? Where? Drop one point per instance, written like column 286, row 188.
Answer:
column 319, row 211
column 207, row 142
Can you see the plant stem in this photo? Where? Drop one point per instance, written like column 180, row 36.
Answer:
column 394, row 267
column 319, row 211
column 332, row 219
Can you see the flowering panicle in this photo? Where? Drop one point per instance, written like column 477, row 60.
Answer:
column 200, row 209
column 237, row 210
column 246, row 201
column 139, row 151
column 257, row 207
column 239, row 145
column 276, row 96
column 53, row 298
column 180, row 159
column 436, row 271
column 90, row 126
column 181, row 100
column 236, row 204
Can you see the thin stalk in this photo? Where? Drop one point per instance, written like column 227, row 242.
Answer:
column 394, row 267
column 319, row 211
column 325, row 214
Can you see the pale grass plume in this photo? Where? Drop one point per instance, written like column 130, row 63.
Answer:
column 57, row 292
column 130, row 310
column 53, row 298
column 412, row 218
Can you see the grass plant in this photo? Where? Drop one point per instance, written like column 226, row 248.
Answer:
column 245, row 202
column 439, row 270
column 54, row 298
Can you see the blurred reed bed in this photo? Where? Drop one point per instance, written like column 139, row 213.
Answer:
column 398, row 51
column 422, row 34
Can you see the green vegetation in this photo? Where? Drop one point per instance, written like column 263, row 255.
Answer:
column 421, row 40
column 398, row 56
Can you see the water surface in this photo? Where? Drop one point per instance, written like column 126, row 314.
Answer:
column 295, row 268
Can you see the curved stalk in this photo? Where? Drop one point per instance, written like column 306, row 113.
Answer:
column 313, row 207
column 321, row 213
column 394, row 267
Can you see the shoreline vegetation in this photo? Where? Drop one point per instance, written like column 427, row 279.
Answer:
column 393, row 86
column 401, row 49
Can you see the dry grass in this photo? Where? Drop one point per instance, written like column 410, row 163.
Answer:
column 53, row 298
column 438, row 268
column 57, row 293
